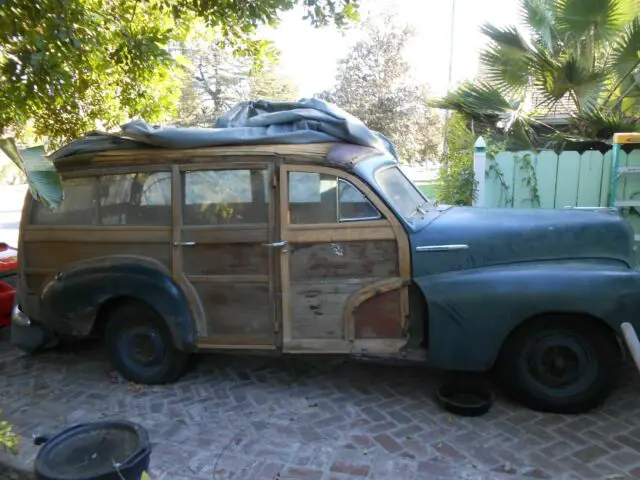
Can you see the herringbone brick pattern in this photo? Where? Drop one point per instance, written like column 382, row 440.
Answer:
column 243, row 418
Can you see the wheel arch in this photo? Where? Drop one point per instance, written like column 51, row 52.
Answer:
column 576, row 316
column 78, row 301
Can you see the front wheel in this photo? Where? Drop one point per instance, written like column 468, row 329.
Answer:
column 141, row 347
column 559, row 364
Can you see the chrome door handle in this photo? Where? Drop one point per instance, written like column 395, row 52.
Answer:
column 184, row 244
column 275, row 244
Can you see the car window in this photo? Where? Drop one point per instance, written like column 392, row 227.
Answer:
column 136, row 199
column 78, row 207
column 399, row 190
column 218, row 197
column 321, row 198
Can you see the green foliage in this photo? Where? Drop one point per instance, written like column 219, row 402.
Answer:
column 216, row 78
column 374, row 84
column 584, row 53
column 457, row 181
column 8, row 440
column 71, row 66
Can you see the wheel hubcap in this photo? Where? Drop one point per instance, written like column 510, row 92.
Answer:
column 561, row 363
column 145, row 346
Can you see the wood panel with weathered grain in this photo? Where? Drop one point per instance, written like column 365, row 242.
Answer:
column 236, row 310
column 58, row 255
column 358, row 259
column 229, row 259
column 317, row 307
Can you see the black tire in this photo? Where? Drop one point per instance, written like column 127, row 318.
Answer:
column 140, row 346
column 559, row 364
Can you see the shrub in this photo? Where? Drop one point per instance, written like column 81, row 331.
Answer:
column 456, row 178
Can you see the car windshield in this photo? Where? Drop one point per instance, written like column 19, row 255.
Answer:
column 401, row 192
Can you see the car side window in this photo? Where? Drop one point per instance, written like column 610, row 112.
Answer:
column 136, row 199
column 321, row 198
column 79, row 206
column 224, row 197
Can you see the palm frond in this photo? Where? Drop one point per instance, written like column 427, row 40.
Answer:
column 559, row 77
column 507, row 38
column 600, row 20
column 599, row 125
column 505, row 59
column 625, row 57
column 539, row 15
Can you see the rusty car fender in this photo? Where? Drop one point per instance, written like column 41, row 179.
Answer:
column 71, row 301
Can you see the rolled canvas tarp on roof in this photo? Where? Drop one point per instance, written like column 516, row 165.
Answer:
column 248, row 123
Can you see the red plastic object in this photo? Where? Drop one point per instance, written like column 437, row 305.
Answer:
column 8, row 259
column 8, row 267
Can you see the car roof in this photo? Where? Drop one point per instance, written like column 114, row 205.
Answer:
column 341, row 155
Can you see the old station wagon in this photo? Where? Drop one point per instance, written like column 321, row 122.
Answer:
column 321, row 248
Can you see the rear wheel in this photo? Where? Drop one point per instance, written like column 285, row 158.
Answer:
column 141, row 347
column 559, row 364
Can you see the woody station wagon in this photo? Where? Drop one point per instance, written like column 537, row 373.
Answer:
column 321, row 248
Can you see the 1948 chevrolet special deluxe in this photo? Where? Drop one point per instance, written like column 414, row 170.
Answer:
column 321, row 248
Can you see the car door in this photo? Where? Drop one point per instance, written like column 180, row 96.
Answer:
column 345, row 266
column 224, row 225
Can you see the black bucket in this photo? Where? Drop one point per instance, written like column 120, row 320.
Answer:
column 95, row 451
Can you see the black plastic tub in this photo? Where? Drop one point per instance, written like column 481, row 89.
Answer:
column 469, row 399
column 95, row 451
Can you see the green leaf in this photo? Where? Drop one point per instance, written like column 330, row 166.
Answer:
column 539, row 16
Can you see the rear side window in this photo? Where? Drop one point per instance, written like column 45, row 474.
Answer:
column 79, row 206
column 128, row 199
column 135, row 199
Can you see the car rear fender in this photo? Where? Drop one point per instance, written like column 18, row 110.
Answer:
column 70, row 302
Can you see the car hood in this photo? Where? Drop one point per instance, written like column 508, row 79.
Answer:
column 467, row 237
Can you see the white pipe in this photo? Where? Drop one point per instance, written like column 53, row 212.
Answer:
column 632, row 341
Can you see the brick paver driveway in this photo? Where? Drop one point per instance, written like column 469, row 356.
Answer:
column 303, row 418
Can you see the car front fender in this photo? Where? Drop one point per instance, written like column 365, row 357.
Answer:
column 472, row 311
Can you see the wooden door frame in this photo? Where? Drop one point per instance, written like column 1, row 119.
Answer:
column 387, row 228
column 227, row 234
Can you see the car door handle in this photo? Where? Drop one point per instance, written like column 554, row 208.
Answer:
column 184, row 244
column 275, row 244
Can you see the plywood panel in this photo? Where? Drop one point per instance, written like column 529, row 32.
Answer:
column 230, row 259
column 374, row 259
column 379, row 317
column 567, row 184
column 317, row 308
column 56, row 255
column 590, row 179
column 240, row 310
column 546, row 173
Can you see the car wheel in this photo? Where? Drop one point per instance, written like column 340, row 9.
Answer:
column 559, row 364
column 141, row 347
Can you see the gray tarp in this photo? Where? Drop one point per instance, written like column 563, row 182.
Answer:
column 258, row 122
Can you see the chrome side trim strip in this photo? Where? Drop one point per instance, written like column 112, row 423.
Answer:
column 441, row 248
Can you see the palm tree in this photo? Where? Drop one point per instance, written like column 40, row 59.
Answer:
column 582, row 52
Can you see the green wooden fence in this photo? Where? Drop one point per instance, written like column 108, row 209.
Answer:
column 551, row 180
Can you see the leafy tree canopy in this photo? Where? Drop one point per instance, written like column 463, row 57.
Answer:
column 374, row 84
column 216, row 79
column 69, row 66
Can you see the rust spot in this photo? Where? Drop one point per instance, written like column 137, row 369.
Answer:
column 379, row 317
